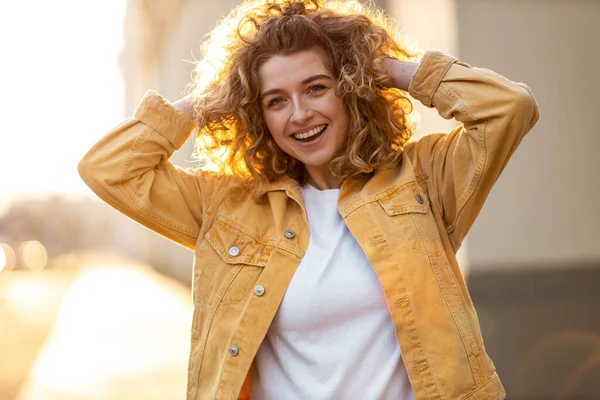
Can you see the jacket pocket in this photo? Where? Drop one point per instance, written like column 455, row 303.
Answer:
column 238, row 258
column 405, row 208
column 407, row 199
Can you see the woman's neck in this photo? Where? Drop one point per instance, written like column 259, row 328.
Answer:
column 322, row 180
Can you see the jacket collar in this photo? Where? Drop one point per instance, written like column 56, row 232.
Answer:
column 283, row 183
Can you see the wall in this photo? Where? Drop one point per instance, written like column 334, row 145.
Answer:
column 543, row 212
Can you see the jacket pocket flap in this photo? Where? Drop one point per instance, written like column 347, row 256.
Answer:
column 237, row 247
column 409, row 198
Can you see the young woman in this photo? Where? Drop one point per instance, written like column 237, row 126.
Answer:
column 325, row 244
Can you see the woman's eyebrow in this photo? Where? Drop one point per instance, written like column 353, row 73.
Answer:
column 304, row 82
column 315, row 78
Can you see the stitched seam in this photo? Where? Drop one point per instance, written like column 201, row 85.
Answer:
column 375, row 197
column 429, row 179
column 447, row 90
column 245, row 297
column 202, row 345
column 156, row 218
column 392, row 189
column 158, row 102
column 480, row 139
column 426, row 241
column 441, row 81
column 216, row 303
column 242, row 260
column 442, row 74
column 536, row 115
column 405, row 209
column 221, row 380
column 472, row 392
column 277, row 246
column 462, row 200
column 291, row 251
column 416, row 73
column 436, row 272
column 133, row 199
column 217, row 194
column 478, row 172
column 260, row 239
column 221, row 251
column 244, row 229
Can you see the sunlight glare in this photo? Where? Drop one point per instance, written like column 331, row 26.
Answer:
column 34, row 255
column 2, row 259
column 61, row 89
column 122, row 333
column 8, row 258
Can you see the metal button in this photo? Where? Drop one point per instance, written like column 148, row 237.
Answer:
column 233, row 350
column 289, row 234
column 234, row 251
column 419, row 199
column 259, row 290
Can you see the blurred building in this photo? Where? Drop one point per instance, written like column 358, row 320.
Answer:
column 534, row 252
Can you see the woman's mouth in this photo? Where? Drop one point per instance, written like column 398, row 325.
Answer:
column 311, row 135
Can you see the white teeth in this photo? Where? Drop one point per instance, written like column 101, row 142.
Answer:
column 310, row 133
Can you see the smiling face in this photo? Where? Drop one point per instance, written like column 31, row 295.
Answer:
column 305, row 117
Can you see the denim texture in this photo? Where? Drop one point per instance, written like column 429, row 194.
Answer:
column 409, row 220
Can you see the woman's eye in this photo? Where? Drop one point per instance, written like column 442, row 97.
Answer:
column 275, row 102
column 316, row 89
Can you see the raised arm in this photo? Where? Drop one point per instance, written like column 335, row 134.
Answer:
column 461, row 167
column 129, row 168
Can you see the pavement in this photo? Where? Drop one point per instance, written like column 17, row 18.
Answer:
column 106, row 329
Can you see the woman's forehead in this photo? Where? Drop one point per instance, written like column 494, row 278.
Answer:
column 295, row 68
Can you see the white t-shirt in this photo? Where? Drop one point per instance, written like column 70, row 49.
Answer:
column 333, row 336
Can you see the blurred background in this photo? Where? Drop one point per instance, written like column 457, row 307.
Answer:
column 93, row 306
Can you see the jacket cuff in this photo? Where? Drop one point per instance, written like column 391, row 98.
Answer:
column 172, row 123
column 428, row 76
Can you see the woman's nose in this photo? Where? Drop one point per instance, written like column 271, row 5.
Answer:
column 301, row 112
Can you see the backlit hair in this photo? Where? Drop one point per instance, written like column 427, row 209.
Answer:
column 232, row 135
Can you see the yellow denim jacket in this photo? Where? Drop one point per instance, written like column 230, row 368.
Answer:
column 409, row 221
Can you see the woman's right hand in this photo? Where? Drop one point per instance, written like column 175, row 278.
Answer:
column 185, row 104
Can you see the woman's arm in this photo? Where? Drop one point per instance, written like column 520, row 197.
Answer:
column 401, row 72
column 461, row 167
column 129, row 168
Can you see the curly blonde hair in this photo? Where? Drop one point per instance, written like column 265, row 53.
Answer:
column 232, row 134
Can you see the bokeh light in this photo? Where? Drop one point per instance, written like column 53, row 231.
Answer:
column 2, row 258
column 33, row 254
column 8, row 258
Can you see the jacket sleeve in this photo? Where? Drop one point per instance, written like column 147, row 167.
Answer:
column 463, row 165
column 129, row 168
